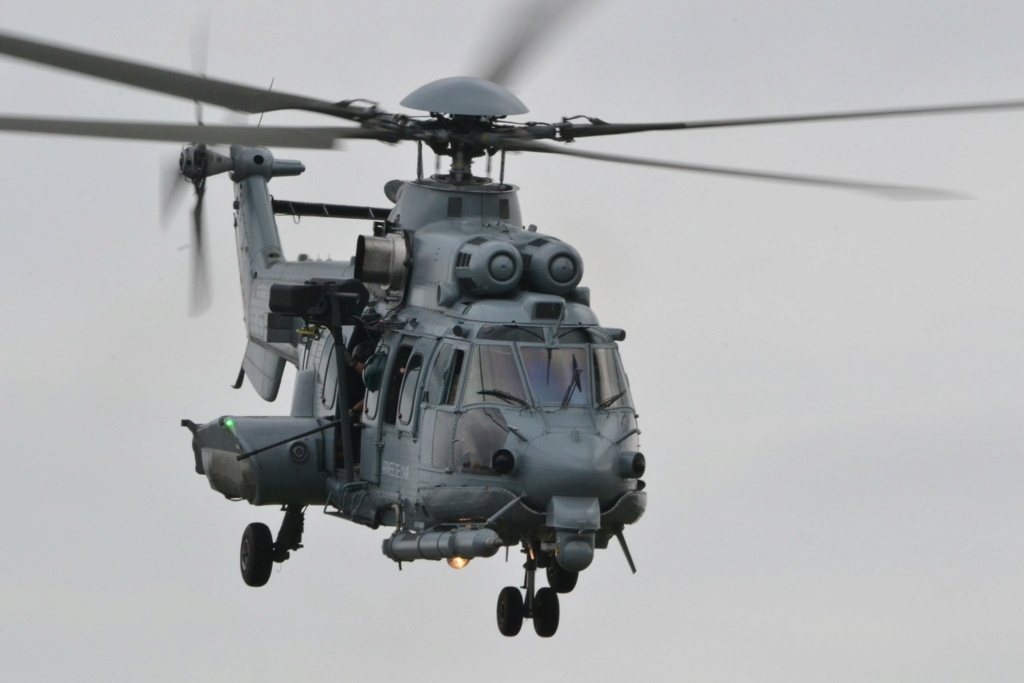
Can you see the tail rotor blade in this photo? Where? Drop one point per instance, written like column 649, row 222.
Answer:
column 172, row 190
column 200, row 277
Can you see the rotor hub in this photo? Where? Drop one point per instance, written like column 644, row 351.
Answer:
column 464, row 96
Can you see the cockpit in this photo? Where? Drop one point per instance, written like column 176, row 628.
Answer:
column 467, row 395
column 537, row 367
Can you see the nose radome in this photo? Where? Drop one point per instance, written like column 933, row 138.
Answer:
column 571, row 464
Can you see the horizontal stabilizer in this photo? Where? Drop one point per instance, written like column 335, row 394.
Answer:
column 264, row 368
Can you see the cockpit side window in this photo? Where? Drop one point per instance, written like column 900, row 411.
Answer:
column 493, row 377
column 435, row 389
column 611, row 389
column 442, row 387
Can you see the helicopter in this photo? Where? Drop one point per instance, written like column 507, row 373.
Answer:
column 495, row 412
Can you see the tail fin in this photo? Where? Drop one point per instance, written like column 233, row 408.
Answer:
column 273, row 339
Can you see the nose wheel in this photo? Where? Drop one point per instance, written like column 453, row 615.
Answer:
column 256, row 555
column 259, row 551
column 539, row 605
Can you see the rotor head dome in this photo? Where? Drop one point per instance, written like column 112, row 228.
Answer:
column 464, row 96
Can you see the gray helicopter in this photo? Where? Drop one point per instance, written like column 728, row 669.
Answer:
column 452, row 379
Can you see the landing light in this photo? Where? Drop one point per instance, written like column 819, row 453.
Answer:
column 457, row 562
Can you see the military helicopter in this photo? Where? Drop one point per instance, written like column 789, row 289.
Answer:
column 453, row 381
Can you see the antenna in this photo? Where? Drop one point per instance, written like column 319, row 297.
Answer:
column 260, row 122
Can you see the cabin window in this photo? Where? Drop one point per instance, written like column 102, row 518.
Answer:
column 372, row 399
column 610, row 387
column 493, row 377
column 407, row 400
column 394, row 383
column 557, row 375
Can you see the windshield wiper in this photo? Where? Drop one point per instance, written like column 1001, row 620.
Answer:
column 607, row 402
column 574, row 383
column 504, row 395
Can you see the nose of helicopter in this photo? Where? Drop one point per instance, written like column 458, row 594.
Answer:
column 575, row 464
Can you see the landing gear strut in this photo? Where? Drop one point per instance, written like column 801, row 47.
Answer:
column 259, row 551
column 539, row 605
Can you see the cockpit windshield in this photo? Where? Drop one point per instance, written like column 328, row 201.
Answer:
column 494, row 377
column 557, row 375
column 586, row 373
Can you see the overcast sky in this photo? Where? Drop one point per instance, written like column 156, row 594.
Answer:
column 830, row 385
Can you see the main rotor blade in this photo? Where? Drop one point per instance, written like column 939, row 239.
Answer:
column 199, row 44
column 158, row 79
column 272, row 136
column 534, row 22
column 886, row 191
column 571, row 131
column 199, row 49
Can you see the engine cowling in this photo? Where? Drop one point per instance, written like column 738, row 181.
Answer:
column 551, row 266
column 487, row 267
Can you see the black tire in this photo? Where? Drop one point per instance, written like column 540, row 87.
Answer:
column 561, row 580
column 510, row 611
column 256, row 555
column 545, row 612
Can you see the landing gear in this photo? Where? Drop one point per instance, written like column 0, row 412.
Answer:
column 541, row 606
column 545, row 612
column 256, row 556
column 510, row 611
column 289, row 536
column 259, row 551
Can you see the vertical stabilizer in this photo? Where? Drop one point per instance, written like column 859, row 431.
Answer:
column 273, row 338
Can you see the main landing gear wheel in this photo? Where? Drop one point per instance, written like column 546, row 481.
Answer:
column 539, row 605
column 545, row 612
column 510, row 611
column 256, row 556
column 561, row 580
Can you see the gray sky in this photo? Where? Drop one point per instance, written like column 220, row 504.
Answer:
column 829, row 384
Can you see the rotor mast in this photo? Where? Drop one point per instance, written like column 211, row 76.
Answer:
column 466, row 111
column 463, row 140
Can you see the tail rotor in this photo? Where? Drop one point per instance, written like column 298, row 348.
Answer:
column 195, row 164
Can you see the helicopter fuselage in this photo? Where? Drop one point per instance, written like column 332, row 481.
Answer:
column 486, row 404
